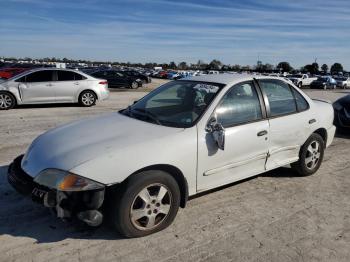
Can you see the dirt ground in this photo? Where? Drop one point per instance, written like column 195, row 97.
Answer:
column 273, row 217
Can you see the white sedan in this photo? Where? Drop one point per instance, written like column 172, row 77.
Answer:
column 186, row 137
column 50, row 85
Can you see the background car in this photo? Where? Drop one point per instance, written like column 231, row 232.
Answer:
column 118, row 79
column 324, row 82
column 144, row 78
column 43, row 86
column 343, row 81
column 7, row 73
column 342, row 113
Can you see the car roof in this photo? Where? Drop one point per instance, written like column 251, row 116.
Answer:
column 228, row 79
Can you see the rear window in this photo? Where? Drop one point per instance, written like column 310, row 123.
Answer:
column 280, row 97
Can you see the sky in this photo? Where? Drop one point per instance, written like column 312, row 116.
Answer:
column 235, row 32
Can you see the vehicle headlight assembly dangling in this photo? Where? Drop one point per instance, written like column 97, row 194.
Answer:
column 65, row 181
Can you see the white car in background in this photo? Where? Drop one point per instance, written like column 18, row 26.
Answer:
column 301, row 80
column 342, row 81
column 186, row 137
column 49, row 85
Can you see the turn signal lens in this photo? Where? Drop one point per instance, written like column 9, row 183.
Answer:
column 73, row 182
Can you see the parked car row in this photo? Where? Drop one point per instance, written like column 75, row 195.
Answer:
column 320, row 82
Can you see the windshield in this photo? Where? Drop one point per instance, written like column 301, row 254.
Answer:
column 175, row 104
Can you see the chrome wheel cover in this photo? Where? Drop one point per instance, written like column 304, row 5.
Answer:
column 151, row 207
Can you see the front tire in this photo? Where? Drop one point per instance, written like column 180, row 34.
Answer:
column 7, row 101
column 310, row 156
column 148, row 204
column 87, row 98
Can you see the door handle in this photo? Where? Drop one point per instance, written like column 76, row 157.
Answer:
column 48, row 84
column 76, row 83
column 262, row 133
column 311, row 121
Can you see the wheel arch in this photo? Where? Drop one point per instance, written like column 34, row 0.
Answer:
column 175, row 173
column 323, row 133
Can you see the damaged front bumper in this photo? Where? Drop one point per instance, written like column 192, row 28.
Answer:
column 84, row 205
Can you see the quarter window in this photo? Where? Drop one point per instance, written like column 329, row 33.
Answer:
column 40, row 76
column 239, row 105
column 280, row 97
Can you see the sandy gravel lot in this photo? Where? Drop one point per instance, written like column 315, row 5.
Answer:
column 273, row 217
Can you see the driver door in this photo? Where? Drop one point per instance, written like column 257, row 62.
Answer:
column 241, row 113
column 37, row 87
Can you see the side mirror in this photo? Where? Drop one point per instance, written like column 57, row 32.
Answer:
column 217, row 131
column 135, row 102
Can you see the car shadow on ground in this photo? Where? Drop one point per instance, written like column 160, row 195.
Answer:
column 20, row 217
column 47, row 105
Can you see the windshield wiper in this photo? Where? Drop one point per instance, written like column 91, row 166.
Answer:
column 147, row 114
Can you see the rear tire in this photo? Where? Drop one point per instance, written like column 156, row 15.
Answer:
column 147, row 204
column 300, row 84
column 7, row 101
column 134, row 85
column 87, row 98
column 310, row 156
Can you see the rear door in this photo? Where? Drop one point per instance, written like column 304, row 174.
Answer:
column 67, row 85
column 289, row 121
column 37, row 87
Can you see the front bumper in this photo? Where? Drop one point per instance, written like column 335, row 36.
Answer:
column 65, row 204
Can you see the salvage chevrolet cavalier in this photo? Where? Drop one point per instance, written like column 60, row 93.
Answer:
column 139, row 165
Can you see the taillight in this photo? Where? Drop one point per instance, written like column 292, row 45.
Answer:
column 103, row 82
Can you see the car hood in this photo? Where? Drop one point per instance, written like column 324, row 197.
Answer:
column 70, row 145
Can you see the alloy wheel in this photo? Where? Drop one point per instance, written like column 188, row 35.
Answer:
column 313, row 155
column 150, row 207
column 88, row 99
column 5, row 101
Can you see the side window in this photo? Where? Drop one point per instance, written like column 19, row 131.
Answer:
column 302, row 104
column 21, row 80
column 40, row 76
column 65, row 76
column 68, row 76
column 79, row 76
column 239, row 105
column 280, row 97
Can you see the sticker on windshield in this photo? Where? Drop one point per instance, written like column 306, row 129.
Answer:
column 207, row 88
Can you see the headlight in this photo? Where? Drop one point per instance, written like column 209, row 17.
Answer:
column 65, row 181
column 337, row 106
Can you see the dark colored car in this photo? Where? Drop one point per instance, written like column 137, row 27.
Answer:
column 325, row 82
column 118, row 79
column 144, row 78
column 11, row 72
column 342, row 113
